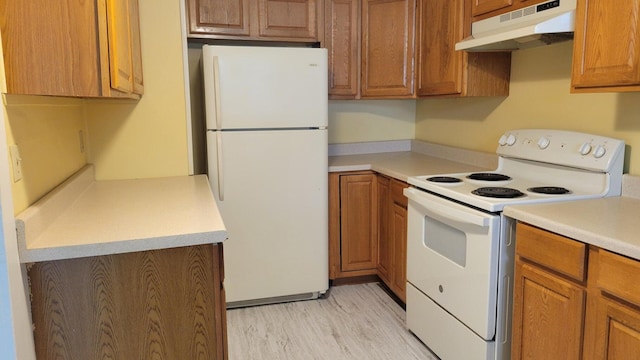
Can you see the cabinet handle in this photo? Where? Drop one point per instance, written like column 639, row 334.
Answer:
column 445, row 208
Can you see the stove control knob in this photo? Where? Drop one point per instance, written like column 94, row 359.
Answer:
column 599, row 151
column 543, row 143
column 503, row 140
column 511, row 139
column 585, row 148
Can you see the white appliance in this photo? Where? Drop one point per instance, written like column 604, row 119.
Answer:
column 266, row 115
column 540, row 24
column 460, row 247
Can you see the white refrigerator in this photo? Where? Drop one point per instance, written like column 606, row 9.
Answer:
column 266, row 115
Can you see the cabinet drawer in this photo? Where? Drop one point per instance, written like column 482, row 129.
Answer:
column 618, row 275
column 556, row 252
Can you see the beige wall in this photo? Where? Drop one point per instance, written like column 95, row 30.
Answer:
column 123, row 138
column 47, row 131
column 148, row 138
column 539, row 98
column 370, row 120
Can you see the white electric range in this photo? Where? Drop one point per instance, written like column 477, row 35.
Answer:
column 460, row 247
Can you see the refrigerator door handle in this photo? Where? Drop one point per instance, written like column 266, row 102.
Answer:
column 220, row 166
column 216, row 87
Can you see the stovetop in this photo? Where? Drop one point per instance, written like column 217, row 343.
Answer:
column 573, row 165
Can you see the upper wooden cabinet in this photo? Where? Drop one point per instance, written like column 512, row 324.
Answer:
column 373, row 54
column 342, row 40
column 278, row 20
column 482, row 9
column 484, row 6
column 93, row 50
column 371, row 48
column 443, row 71
column 606, row 47
column 388, row 48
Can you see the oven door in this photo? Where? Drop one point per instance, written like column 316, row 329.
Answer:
column 452, row 257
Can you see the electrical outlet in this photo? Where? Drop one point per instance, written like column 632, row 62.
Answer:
column 16, row 162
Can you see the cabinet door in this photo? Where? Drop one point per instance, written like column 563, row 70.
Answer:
column 288, row 18
column 440, row 65
column 358, row 214
column 118, row 31
column 136, row 49
column 51, row 55
column 388, row 48
column 218, row 17
column 484, row 6
column 385, row 248
column 617, row 331
column 342, row 40
column 398, row 237
column 606, row 45
column 548, row 315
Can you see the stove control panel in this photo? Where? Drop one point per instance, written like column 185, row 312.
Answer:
column 565, row 148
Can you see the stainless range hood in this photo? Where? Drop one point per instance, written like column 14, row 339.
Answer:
column 541, row 24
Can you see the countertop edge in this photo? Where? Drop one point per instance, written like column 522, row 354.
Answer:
column 573, row 231
column 38, row 241
column 121, row 247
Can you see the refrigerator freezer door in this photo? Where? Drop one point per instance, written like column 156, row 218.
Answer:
column 265, row 87
column 275, row 205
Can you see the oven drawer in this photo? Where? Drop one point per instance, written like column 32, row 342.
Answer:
column 442, row 333
column 553, row 251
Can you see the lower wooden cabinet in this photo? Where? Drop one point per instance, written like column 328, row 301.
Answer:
column 159, row 304
column 368, row 228
column 563, row 311
column 613, row 312
column 353, row 226
column 392, row 235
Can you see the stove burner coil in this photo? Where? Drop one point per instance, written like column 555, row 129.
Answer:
column 551, row 190
column 498, row 192
column 444, row 179
column 488, row 177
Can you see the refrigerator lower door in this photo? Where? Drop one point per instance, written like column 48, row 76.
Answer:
column 271, row 188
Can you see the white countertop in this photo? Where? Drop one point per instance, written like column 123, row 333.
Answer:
column 423, row 159
column 83, row 217
column 610, row 223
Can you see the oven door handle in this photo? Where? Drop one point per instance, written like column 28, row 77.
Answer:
column 444, row 208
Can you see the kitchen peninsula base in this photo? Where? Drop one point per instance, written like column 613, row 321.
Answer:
column 158, row 304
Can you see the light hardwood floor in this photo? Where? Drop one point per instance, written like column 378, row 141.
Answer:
column 355, row 322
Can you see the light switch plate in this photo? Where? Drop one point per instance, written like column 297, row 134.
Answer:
column 16, row 162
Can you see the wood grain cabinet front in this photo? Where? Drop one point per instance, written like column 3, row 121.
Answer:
column 392, row 235
column 91, row 50
column 548, row 308
column 273, row 20
column 613, row 317
column 443, row 71
column 371, row 48
column 353, row 224
column 606, row 47
column 159, row 304
column 572, row 300
column 482, row 9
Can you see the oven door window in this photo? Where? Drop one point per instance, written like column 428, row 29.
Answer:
column 446, row 240
column 452, row 257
